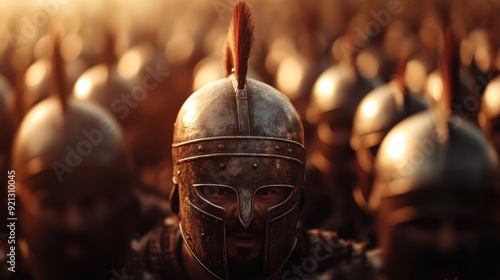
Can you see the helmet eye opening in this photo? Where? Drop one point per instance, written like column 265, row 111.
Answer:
column 217, row 194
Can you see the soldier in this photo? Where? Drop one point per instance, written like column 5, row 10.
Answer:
column 76, row 209
column 238, row 159
column 376, row 115
column 437, row 201
column 331, row 172
column 436, row 194
column 378, row 112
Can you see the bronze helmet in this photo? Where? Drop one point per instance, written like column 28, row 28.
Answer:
column 375, row 116
column 230, row 134
column 489, row 113
column 335, row 97
column 427, row 169
column 436, row 192
column 71, row 174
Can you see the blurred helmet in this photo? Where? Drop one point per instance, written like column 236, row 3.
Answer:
column 489, row 114
column 76, row 200
column 237, row 137
column 436, row 195
column 336, row 95
column 38, row 80
column 377, row 113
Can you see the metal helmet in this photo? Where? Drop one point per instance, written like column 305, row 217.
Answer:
column 375, row 116
column 38, row 80
column 436, row 191
column 76, row 199
column 241, row 136
column 489, row 113
column 336, row 95
column 431, row 171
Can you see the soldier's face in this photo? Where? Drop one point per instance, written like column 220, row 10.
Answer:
column 441, row 236
column 248, row 189
column 72, row 223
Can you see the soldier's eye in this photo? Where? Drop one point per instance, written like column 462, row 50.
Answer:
column 272, row 195
column 217, row 194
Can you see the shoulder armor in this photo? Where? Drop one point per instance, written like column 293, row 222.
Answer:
column 157, row 252
column 328, row 250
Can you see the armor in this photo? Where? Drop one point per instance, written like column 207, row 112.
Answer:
column 72, row 162
column 241, row 140
column 489, row 114
column 78, row 210
column 377, row 113
column 436, row 175
column 335, row 97
column 215, row 143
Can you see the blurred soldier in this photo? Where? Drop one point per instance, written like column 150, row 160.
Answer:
column 489, row 114
column 437, row 200
column 77, row 208
column 436, row 194
column 377, row 114
column 331, row 173
column 238, row 172
column 119, row 91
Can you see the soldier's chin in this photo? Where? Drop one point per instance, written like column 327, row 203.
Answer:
column 245, row 266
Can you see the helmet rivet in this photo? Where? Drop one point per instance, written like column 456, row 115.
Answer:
column 200, row 148
column 178, row 172
column 277, row 148
column 221, row 147
column 290, row 151
column 255, row 165
column 222, row 165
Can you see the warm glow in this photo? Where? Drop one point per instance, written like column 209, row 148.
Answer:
column 415, row 75
column 94, row 76
column 396, row 146
column 483, row 58
column 434, row 87
column 280, row 49
column 368, row 64
column 36, row 72
column 289, row 77
column 130, row 64
column 324, row 88
column 492, row 94
column 71, row 47
column 206, row 71
column 179, row 48
column 369, row 108
column 82, row 88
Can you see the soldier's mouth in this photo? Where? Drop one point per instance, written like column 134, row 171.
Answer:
column 243, row 240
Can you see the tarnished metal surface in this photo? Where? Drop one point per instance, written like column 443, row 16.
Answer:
column 213, row 147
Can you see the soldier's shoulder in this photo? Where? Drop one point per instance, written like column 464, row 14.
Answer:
column 369, row 267
column 325, row 249
column 156, row 253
